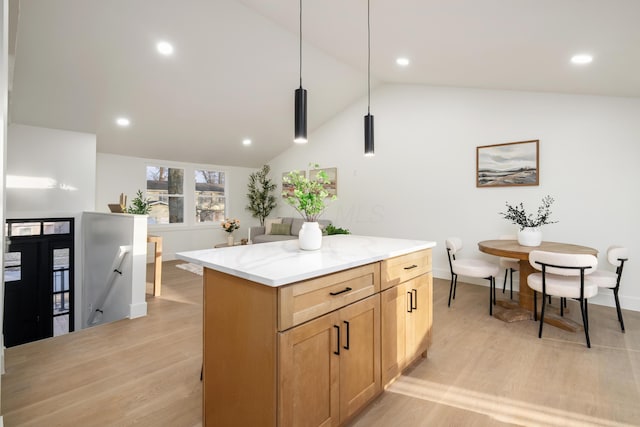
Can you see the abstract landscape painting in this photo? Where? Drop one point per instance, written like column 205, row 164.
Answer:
column 503, row 165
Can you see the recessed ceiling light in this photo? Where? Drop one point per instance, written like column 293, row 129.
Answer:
column 165, row 48
column 123, row 121
column 403, row 62
column 246, row 141
column 582, row 58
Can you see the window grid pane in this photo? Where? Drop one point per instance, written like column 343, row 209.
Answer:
column 209, row 196
column 165, row 188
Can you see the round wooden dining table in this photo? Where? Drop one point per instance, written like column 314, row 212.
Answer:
column 512, row 249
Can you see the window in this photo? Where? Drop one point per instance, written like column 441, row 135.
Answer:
column 165, row 192
column 209, row 196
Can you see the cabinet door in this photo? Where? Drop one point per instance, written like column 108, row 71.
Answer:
column 419, row 319
column 359, row 355
column 308, row 393
column 394, row 308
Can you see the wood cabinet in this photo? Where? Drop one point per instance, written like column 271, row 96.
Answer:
column 330, row 367
column 406, row 315
column 312, row 353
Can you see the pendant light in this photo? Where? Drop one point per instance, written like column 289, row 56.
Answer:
column 368, row 119
column 300, row 120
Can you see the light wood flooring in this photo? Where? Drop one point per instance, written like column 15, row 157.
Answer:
column 480, row 371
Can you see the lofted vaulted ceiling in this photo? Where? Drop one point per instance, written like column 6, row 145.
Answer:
column 79, row 64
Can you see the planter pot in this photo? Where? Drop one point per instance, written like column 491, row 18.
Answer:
column 230, row 239
column 530, row 236
column 310, row 236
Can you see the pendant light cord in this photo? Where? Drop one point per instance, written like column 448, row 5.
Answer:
column 368, row 58
column 300, row 43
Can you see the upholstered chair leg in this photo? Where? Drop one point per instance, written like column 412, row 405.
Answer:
column 615, row 294
column 549, row 299
column 535, row 306
column 490, row 296
column 511, row 284
column 585, row 321
column 561, row 307
column 493, row 281
column 504, row 284
column 450, row 291
column 455, row 286
column 544, row 300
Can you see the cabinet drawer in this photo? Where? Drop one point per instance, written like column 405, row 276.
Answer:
column 303, row 301
column 400, row 269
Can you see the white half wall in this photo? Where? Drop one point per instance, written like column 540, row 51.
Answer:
column 421, row 182
column 58, row 169
column 121, row 174
column 115, row 285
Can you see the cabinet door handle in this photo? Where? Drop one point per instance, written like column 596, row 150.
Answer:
column 414, row 302
column 411, row 267
column 337, row 340
column 346, row 347
column 347, row 289
column 410, row 308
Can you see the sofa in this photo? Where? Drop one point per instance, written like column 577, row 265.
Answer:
column 286, row 228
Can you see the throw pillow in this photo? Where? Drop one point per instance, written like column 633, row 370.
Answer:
column 268, row 222
column 281, row 229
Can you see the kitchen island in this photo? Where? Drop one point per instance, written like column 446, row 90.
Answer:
column 310, row 338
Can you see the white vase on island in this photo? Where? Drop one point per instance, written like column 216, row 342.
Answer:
column 310, row 236
column 530, row 236
column 230, row 239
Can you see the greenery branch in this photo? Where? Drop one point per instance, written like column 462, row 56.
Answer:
column 307, row 195
column 517, row 214
column 140, row 205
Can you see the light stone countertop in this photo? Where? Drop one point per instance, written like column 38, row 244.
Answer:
column 280, row 263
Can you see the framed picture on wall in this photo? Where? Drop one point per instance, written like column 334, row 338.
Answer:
column 288, row 188
column 508, row 165
column 332, row 174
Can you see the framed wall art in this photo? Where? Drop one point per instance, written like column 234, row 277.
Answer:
column 508, row 165
column 332, row 174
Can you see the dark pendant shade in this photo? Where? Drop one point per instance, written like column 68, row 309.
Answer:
column 368, row 135
column 300, row 125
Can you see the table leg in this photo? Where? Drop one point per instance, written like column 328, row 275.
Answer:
column 157, row 264
column 526, row 293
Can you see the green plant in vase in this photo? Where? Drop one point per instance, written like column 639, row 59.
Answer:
column 308, row 196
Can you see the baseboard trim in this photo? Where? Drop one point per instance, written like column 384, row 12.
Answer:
column 137, row 310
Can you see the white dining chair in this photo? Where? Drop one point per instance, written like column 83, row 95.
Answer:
column 510, row 265
column 617, row 256
column 562, row 275
column 470, row 268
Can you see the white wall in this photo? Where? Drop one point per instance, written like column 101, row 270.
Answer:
column 66, row 161
column 121, row 174
column 421, row 182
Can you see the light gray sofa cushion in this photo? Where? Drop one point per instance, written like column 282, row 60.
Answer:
column 265, row 238
column 258, row 236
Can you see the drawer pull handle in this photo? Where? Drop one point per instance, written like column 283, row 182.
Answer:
column 347, row 289
column 414, row 302
column 337, row 340
column 346, row 347
column 411, row 267
column 410, row 308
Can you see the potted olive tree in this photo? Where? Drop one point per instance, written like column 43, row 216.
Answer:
column 261, row 199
